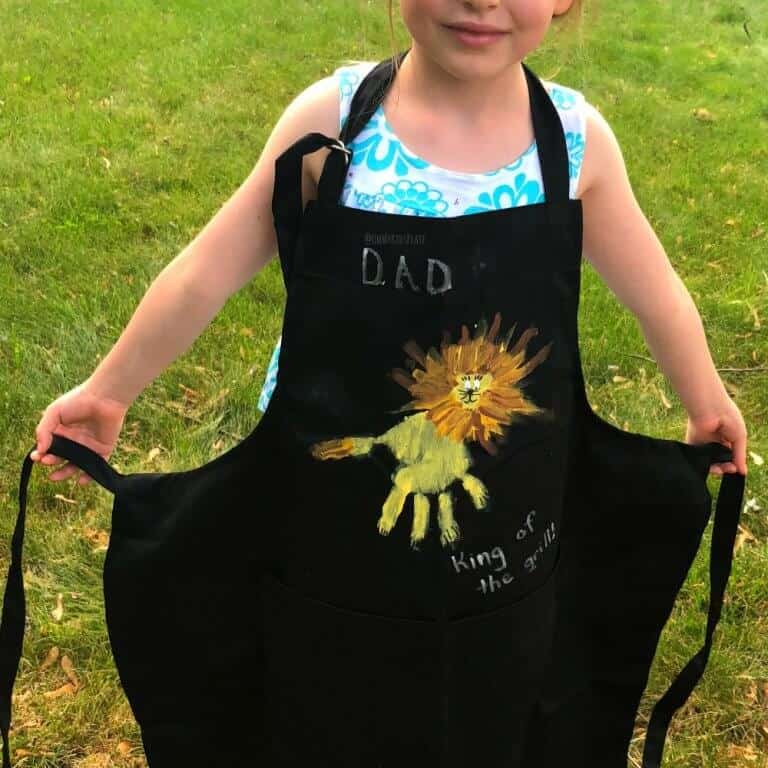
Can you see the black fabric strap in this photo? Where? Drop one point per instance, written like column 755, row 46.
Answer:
column 14, row 606
column 727, row 513
column 287, row 202
column 287, row 208
column 366, row 100
column 369, row 95
column 548, row 130
column 726, row 522
column 550, row 141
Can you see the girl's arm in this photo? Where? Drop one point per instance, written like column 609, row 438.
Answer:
column 232, row 247
column 624, row 249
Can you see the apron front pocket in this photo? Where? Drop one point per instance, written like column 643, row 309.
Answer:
column 348, row 688
column 509, row 545
column 496, row 665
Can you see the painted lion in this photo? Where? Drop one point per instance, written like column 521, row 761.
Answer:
column 468, row 391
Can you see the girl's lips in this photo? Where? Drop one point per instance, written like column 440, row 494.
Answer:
column 475, row 39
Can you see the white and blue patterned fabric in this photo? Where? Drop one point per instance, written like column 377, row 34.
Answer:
column 385, row 176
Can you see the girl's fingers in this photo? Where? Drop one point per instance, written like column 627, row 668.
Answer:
column 61, row 472
column 723, row 468
column 64, row 472
column 47, row 458
column 44, row 430
column 740, row 452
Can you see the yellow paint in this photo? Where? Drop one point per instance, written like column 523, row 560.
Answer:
column 468, row 391
column 428, row 464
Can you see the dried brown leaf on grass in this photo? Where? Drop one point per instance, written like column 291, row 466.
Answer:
column 58, row 611
column 748, row 755
column 63, row 690
column 69, row 671
column 744, row 536
column 51, row 657
column 124, row 747
column 96, row 760
column 97, row 536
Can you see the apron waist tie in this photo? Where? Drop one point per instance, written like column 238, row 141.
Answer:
column 14, row 608
column 12, row 627
column 726, row 522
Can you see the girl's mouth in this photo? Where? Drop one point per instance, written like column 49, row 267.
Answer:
column 475, row 39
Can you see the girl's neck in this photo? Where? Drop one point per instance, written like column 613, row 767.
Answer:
column 479, row 101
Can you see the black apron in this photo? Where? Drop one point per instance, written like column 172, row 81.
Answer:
column 430, row 550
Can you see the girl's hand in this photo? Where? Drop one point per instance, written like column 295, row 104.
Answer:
column 84, row 416
column 724, row 425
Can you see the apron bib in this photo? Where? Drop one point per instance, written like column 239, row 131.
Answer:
column 442, row 555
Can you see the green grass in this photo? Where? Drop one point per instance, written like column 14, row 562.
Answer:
column 123, row 128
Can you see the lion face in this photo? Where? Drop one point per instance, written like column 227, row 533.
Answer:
column 472, row 389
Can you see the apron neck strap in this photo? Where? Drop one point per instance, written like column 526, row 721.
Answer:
column 287, row 209
column 547, row 127
column 287, row 195
column 550, row 141
column 368, row 96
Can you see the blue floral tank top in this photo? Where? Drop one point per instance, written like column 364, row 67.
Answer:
column 386, row 176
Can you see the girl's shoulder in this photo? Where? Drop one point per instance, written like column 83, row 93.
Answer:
column 571, row 106
column 348, row 76
column 564, row 97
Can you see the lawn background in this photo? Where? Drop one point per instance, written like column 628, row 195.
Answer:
column 124, row 127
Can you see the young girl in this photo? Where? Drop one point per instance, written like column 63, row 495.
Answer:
column 385, row 642
column 442, row 131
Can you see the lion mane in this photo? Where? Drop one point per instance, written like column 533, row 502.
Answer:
column 436, row 379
